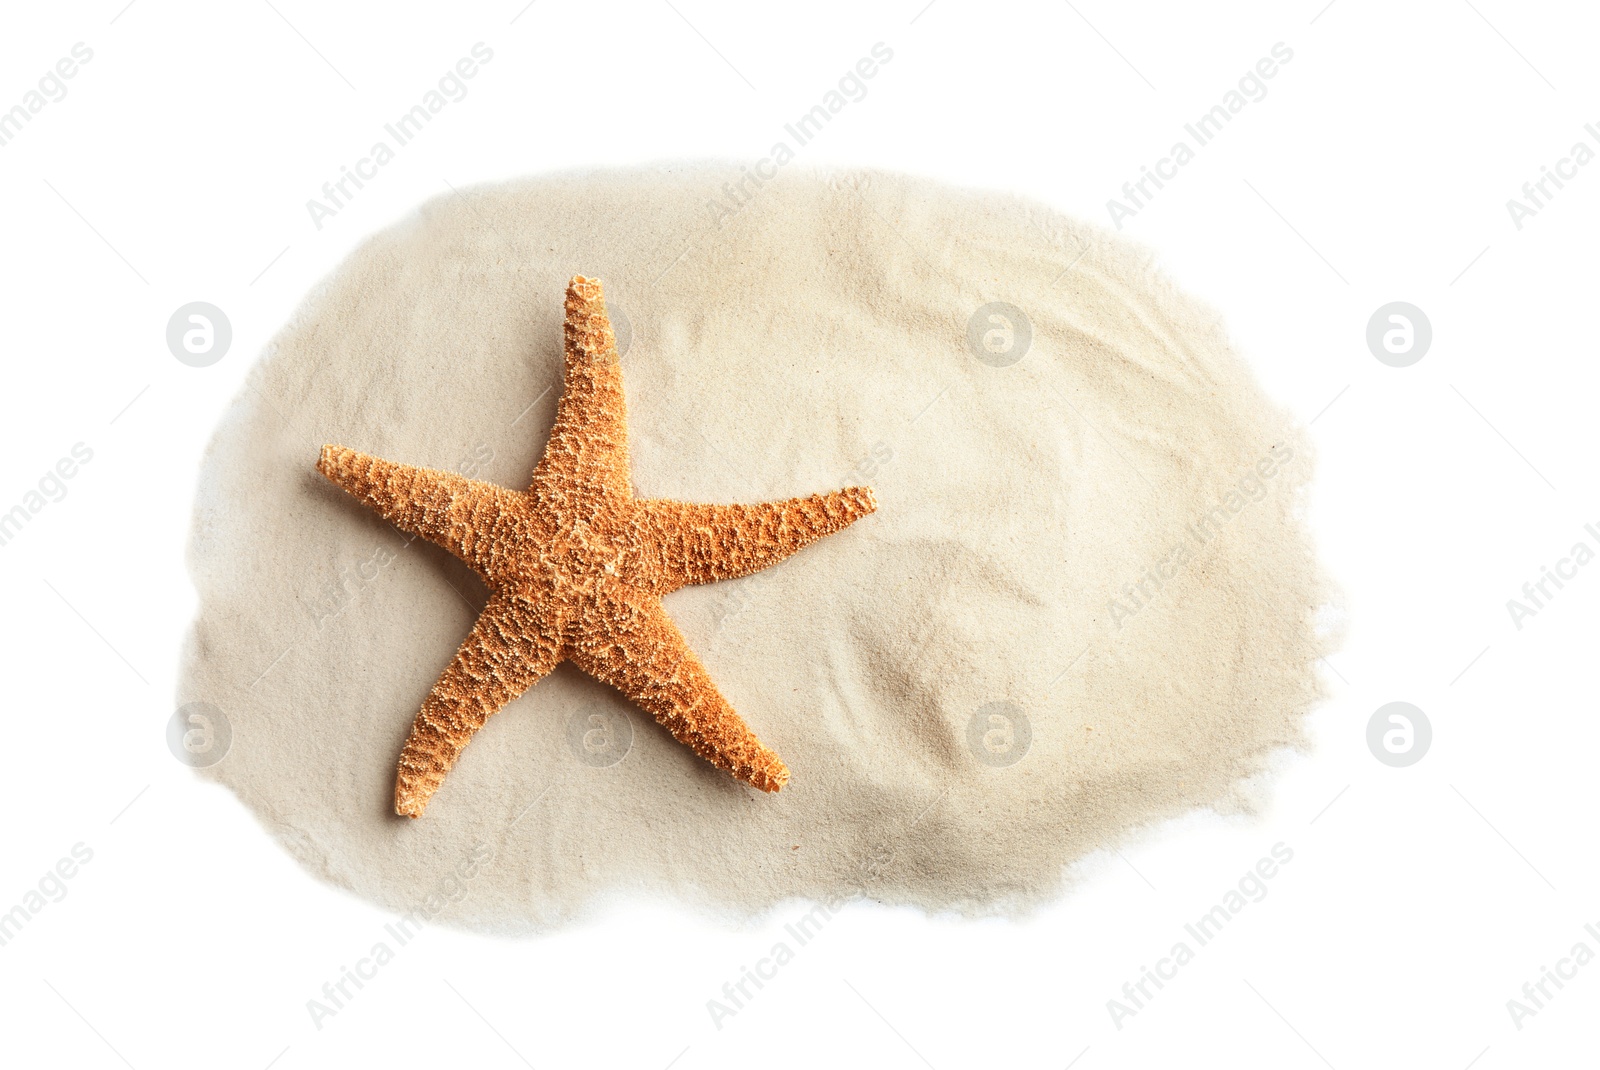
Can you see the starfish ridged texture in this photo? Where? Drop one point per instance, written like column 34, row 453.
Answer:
column 576, row 567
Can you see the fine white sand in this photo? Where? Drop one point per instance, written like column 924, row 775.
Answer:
column 1086, row 602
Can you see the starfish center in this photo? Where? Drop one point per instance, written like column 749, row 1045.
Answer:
column 575, row 567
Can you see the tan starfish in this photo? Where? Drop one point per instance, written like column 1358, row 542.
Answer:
column 576, row 567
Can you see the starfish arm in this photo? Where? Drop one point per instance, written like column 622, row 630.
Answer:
column 641, row 653
column 588, row 445
column 702, row 543
column 506, row 652
column 457, row 513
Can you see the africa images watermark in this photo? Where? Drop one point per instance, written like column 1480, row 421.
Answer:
column 1251, row 888
column 742, row 595
column 1537, row 194
column 737, row 994
column 52, row 888
column 336, row 594
column 1252, row 88
column 50, row 89
column 1252, row 487
column 1537, row 592
column 51, row 487
column 1536, row 994
column 450, row 89
column 338, row 993
column 850, row 89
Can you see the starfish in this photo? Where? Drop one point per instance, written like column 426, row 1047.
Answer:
column 576, row 567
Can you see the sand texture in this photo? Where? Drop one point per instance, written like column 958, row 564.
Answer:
column 1086, row 602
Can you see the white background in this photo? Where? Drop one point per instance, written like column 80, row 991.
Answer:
column 1419, row 900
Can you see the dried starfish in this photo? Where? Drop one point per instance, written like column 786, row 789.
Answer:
column 576, row 567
